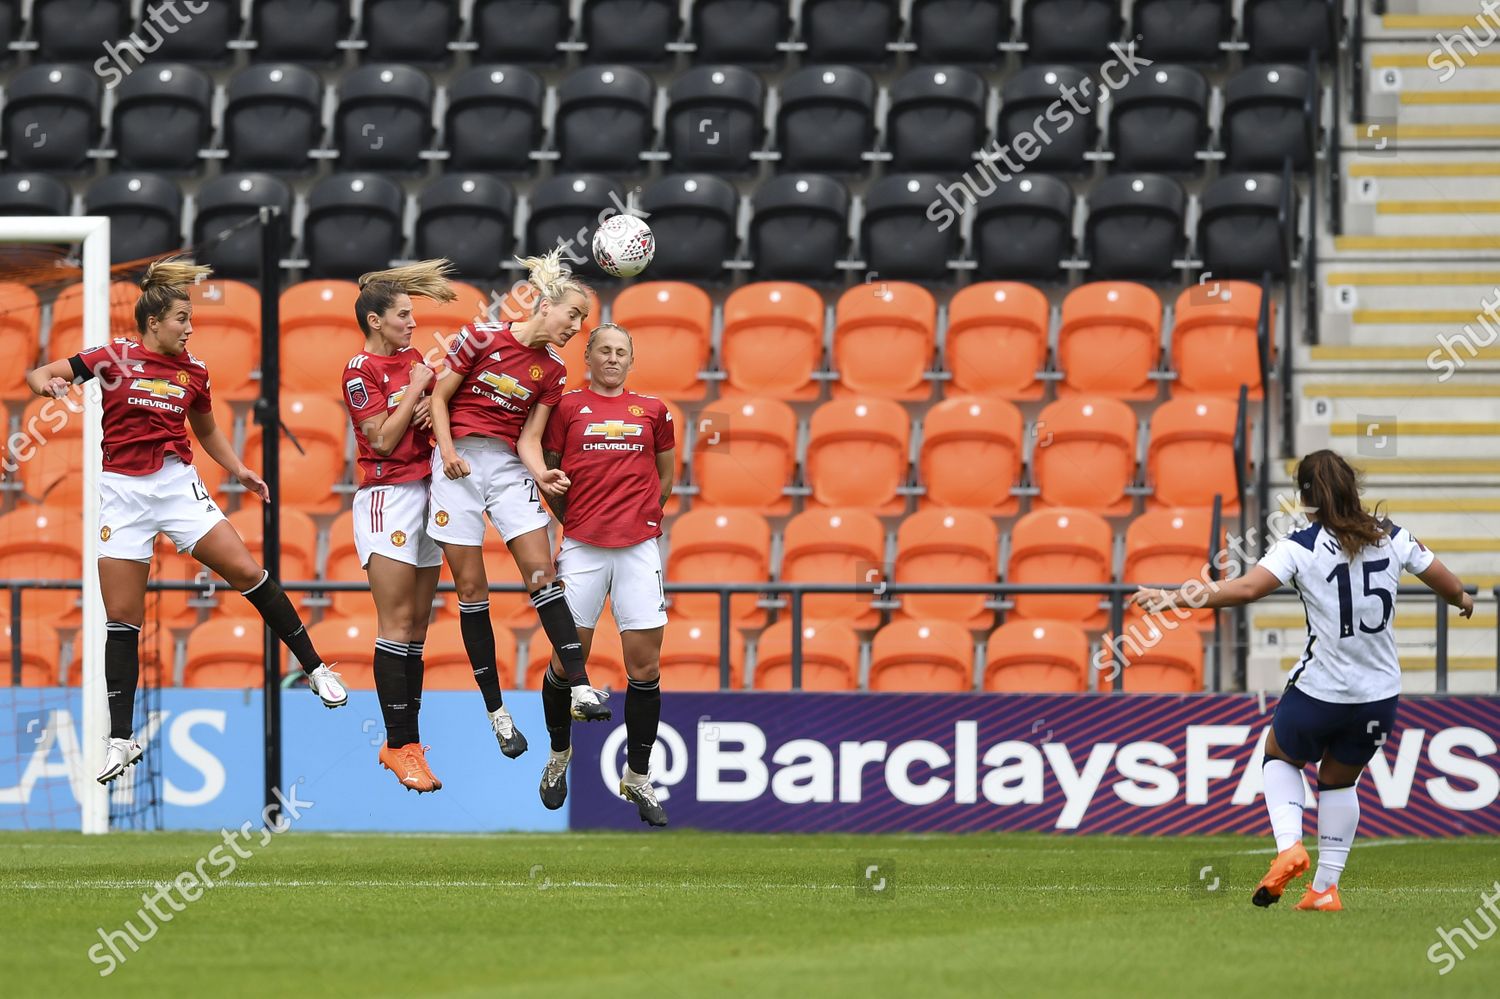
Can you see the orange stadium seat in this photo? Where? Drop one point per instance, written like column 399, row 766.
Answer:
column 927, row 656
column 319, row 333
column 446, row 664
column 997, row 340
column 437, row 322
column 343, row 567
column 744, row 453
column 513, row 610
column 1110, row 340
column 672, row 324
column 1214, row 344
column 773, row 340
column 348, row 644
column 65, row 336
column 1191, row 454
column 299, row 540
column 41, row 655
column 20, row 336
column 679, row 453
column 719, row 545
column 1157, row 660
column 858, row 454
column 1061, row 545
column 883, row 338
column 175, row 608
column 226, row 336
column 227, row 651
column 690, row 656
column 1085, row 454
column 1037, row 657
column 606, row 662
column 39, row 542
column 834, row 546
column 1170, row 547
column 947, row 546
column 830, row 656
column 307, row 477
column 971, row 454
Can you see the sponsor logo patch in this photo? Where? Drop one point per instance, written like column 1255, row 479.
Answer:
column 359, row 396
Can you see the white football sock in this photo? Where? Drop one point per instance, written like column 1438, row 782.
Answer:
column 632, row 778
column 1284, row 796
column 1338, row 817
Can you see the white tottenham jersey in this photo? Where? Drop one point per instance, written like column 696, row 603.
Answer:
column 1351, row 651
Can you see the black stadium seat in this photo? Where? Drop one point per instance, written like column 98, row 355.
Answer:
column 202, row 38
column 629, row 31
column 852, row 31
column 494, row 118
column 145, row 214
column 800, row 228
column 1135, row 227
column 603, row 120
column 1182, row 30
column 51, row 118
column 1023, row 228
column 740, row 31
column 163, row 116
column 525, row 31
column 34, row 194
column 470, row 219
column 410, row 30
column 897, row 237
column 959, row 31
column 1034, row 93
column 384, row 120
column 714, row 119
column 353, row 225
column 81, row 30
column 693, row 218
column 1284, row 30
column 564, row 211
column 1075, row 31
column 1159, row 120
column 223, row 203
column 272, row 117
column 936, row 119
column 826, row 119
column 10, row 26
column 1268, row 118
column 1242, row 232
column 306, row 31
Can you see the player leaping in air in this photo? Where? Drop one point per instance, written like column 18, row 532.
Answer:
column 151, row 390
column 503, row 378
column 384, row 389
column 1340, row 702
column 616, row 449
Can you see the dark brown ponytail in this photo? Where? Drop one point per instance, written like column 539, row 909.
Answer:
column 1330, row 488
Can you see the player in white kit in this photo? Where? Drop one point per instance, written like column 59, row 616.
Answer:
column 1340, row 701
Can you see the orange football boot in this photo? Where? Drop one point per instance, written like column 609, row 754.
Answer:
column 411, row 774
column 1321, row 901
column 1289, row 865
column 419, row 753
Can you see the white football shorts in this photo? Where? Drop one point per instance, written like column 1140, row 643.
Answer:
column 497, row 484
column 134, row 509
column 392, row 521
column 630, row 577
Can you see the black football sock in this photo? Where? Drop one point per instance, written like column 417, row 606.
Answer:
column 122, row 671
column 390, row 687
column 557, row 621
column 479, row 643
column 557, row 707
column 268, row 598
column 642, row 713
column 414, row 671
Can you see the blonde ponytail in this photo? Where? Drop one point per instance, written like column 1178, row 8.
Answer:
column 166, row 281
column 551, row 278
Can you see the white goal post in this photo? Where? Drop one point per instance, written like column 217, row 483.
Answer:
column 93, row 233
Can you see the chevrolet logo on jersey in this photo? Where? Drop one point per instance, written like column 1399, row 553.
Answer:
column 159, row 388
column 505, row 385
column 613, row 429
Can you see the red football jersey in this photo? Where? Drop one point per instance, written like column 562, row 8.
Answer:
column 146, row 397
column 502, row 380
column 375, row 384
column 609, row 446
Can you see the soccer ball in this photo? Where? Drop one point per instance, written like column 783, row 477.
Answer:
column 623, row 245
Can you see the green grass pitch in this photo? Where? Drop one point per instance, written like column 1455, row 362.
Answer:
column 686, row 914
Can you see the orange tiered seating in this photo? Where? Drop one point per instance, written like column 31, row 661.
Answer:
column 744, row 453
column 20, row 337
column 830, row 656
column 835, row 546
column 671, row 323
column 299, row 540
column 437, row 322
column 947, row 546
column 349, row 642
column 1110, row 340
column 773, row 340
column 511, row 609
column 1061, row 545
column 1214, row 346
column 41, row 653
column 929, row 656
column 227, row 651
column 226, row 337
column 446, row 663
column 971, row 454
column 1171, row 546
column 606, row 657
column 65, row 337
column 55, row 428
column 39, row 542
column 319, row 333
column 308, row 476
column 1157, row 660
column 883, row 339
column 709, row 545
column 1085, row 454
column 690, row 656
column 1191, row 454
column 997, row 340
column 1037, row 657
column 857, row 454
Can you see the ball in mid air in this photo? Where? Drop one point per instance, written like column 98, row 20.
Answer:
column 623, row 245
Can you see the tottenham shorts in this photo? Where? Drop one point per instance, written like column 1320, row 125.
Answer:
column 1307, row 728
column 497, row 484
column 392, row 521
column 134, row 509
column 630, row 577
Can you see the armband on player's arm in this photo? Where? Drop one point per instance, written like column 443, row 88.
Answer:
column 43, row 381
